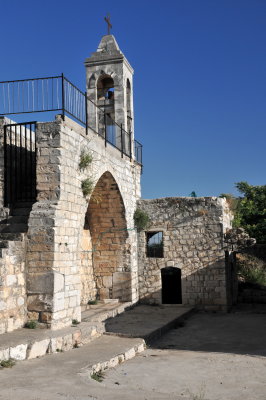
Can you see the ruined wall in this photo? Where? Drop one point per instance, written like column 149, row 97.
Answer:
column 57, row 219
column 193, row 231
column 13, row 313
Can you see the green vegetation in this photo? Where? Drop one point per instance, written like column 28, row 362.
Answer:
column 193, row 194
column 75, row 322
column 7, row 363
column 87, row 186
column 141, row 219
column 98, row 376
column 31, row 324
column 251, row 269
column 92, row 302
column 85, row 160
column 249, row 210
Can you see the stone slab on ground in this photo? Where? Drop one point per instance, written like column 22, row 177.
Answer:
column 147, row 322
column 31, row 343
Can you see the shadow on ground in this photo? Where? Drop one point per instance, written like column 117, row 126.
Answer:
column 242, row 331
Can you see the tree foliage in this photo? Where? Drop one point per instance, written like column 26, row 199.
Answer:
column 250, row 209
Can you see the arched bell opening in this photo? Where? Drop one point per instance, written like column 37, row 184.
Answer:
column 106, row 110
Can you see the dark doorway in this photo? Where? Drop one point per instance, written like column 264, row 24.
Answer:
column 171, row 285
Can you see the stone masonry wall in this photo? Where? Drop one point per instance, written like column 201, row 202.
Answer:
column 193, row 231
column 56, row 223
column 13, row 313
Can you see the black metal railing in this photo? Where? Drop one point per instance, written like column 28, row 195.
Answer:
column 19, row 163
column 57, row 93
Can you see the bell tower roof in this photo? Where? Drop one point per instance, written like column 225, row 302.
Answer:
column 107, row 52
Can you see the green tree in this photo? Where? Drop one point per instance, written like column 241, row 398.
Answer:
column 249, row 209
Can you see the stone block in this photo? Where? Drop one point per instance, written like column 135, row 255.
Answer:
column 40, row 302
column 59, row 301
column 38, row 349
column 4, row 354
column 18, row 352
column 40, row 283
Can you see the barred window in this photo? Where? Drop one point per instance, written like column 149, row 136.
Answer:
column 154, row 244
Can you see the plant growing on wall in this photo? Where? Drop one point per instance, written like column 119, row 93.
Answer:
column 85, row 160
column 141, row 219
column 87, row 186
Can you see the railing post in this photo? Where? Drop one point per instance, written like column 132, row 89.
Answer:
column 86, row 112
column 63, row 96
column 105, row 130
column 130, row 145
column 122, row 140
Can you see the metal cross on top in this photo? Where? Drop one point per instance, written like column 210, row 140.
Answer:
column 109, row 25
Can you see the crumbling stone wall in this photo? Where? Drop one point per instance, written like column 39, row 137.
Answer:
column 193, row 232
column 13, row 312
column 56, row 224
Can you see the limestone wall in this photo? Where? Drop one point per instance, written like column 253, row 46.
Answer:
column 13, row 313
column 56, row 224
column 193, row 231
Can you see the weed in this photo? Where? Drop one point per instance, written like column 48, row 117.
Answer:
column 31, row 325
column 76, row 346
column 7, row 363
column 85, row 160
column 59, row 350
column 87, row 186
column 75, row 322
column 251, row 269
column 141, row 219
column 98, row 376
column 202, row 212
column 92, row 302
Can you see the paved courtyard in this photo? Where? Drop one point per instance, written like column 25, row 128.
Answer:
column 212, row 357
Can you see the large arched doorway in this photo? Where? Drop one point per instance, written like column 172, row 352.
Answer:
column 171, row 285
column 105, row 219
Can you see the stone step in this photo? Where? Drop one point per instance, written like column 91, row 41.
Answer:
column 19, row 219
column 26, row 343
column 101, row 311
column 11, row 236
column 13, row 228
column 4, row 244
column 148, row 322
column 21, row 211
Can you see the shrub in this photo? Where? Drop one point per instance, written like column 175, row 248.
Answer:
column 85, row 160
column 251, row 269
column 7, row 363
column 31, row 325
column 141, row 219
column 87, row 186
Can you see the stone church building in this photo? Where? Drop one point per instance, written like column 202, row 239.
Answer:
column 68, row 192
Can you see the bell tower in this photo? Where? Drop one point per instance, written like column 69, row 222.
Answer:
column 109, row 83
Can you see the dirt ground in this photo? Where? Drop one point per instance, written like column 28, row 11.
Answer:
column 212, row 357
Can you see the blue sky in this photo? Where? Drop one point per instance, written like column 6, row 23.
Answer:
column 199, row 83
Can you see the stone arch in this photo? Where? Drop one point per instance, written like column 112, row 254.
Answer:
column 106, row 229
column 92, row 82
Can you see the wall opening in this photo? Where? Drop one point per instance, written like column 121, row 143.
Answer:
column 106, row 104
column 154, row 244
column 171, row 285
column 129, row 112
column 108, row 231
